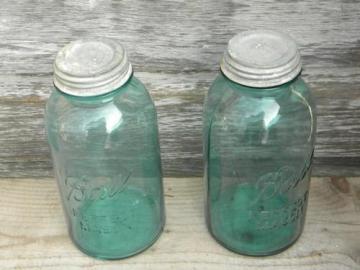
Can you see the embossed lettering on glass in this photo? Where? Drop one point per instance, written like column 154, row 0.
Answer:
column 103, row 134
column 259, row 133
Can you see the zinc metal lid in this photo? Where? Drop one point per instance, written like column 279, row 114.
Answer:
column 261, row 58
column 91, row 67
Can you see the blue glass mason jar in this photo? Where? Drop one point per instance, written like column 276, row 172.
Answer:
column 103, row 134
column 259, row 132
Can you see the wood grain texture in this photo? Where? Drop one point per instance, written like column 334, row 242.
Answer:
column 175, row 47
column 33, row 233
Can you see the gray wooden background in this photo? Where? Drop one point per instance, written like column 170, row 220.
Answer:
column 175, row 47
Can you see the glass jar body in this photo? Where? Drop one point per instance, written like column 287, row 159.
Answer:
column 258, row 149
column 106, row 158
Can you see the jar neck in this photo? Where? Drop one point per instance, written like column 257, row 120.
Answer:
column 94, row 100
column 273, row 91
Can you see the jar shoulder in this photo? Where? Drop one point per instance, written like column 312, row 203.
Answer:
column 128, row 106
column 225, row 98
column 283, row 113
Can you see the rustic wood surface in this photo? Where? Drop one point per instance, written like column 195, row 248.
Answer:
column 33, row 233
column 175, row 47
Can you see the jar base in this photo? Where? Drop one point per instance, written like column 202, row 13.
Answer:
column 253, row 254
column 100, row 256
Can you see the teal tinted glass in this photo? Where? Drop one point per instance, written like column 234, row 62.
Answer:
column 107, row 163
column 258, row 148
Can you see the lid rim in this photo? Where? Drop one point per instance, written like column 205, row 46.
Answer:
column 255, row 82
column 98, row 90
column 71, row 78
column 280, row 70
column 269, row 84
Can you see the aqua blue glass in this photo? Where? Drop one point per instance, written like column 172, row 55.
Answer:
column 107, row 163
column 258, row 149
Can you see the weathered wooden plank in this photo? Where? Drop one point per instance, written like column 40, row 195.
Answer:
column 24, row 151
column 33, row 233
column 175, row 47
